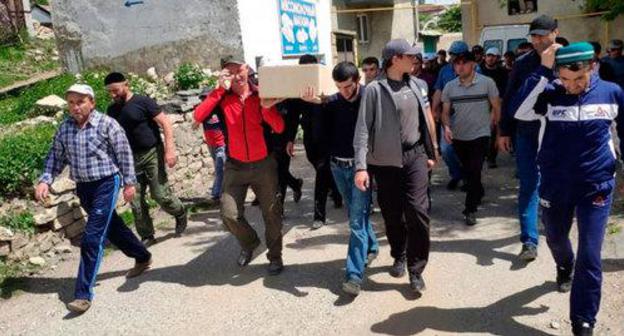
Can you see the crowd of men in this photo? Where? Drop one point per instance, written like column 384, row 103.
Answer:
column 549, row 102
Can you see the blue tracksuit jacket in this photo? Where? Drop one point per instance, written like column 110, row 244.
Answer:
column 575, row 144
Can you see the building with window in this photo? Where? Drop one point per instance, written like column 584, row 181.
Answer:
column 362, row 27
column 506, row 22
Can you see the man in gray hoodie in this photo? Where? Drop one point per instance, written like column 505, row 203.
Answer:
column 395, row 141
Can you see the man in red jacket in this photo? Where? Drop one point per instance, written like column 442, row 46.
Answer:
column 244, row 115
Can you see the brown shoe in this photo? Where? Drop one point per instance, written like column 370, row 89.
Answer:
column 79, row 306
column 139, row 268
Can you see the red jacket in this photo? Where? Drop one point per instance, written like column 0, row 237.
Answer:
column 243, row 121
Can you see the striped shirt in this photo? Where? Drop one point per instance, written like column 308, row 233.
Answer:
column 98, row 150
column 470, row 106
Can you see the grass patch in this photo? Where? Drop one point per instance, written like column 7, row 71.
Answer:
column 128, row 218
column 23, row 156
column 8, row 111
column 19, row 221
column 22, row 61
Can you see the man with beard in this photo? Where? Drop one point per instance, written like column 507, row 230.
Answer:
column 142, row 120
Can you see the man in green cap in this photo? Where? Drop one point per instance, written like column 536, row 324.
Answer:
column 577, row 165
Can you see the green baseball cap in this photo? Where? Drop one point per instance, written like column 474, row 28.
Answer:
column 574, row 53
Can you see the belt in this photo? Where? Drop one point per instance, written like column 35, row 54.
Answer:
column 407, row 148
column 343, row 163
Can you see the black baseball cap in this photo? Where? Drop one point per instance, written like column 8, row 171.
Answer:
column 542, row 25
column 231, row 59
column 465, row 56
column 398, row 47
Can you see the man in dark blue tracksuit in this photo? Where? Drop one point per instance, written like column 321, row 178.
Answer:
column 577, row 164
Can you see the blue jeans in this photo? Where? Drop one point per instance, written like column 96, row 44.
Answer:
column 450, row 158
column 362, row 240
column 526, row 160
column 218, row 157
column 98, row 199
column 592, row 203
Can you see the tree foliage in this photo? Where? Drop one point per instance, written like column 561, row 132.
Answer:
column 451, row 19
column 614, row 7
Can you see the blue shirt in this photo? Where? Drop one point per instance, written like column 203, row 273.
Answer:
column 98, row 150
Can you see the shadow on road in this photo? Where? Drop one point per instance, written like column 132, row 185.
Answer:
column 500, row 317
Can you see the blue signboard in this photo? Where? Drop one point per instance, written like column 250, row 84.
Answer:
column 298, row 27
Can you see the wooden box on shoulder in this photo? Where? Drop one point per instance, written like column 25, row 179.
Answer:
column 289, row 81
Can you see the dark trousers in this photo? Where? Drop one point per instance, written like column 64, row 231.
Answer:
column 323, row 181
column 285, row 178
column 591, row 203
column 492, row 150
column 261, row 176
column 471, row 155
column 98, row 199
column 402, row 197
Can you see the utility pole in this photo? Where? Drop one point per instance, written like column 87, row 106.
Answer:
column 416, row 20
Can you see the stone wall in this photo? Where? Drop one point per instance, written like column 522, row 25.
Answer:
column 164, row 34
column 61, row 216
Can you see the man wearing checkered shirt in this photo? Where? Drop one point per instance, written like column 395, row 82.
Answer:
column 100, row 160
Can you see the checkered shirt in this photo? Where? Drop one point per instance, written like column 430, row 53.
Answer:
column 98, row 150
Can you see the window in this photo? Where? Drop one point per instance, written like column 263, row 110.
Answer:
column 512, row 44
column 516, row 7
column 487, row 44
column 362, row 28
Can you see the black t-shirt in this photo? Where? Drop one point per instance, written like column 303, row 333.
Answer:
column 340, row 117
column 136, row 116
column 500, row 76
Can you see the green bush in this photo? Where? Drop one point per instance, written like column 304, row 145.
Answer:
column 189, row 76
column 23, row 156
column 19, row 221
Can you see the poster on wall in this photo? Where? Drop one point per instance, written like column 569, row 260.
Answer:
column 298, row 27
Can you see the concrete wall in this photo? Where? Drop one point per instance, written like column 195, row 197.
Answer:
column 160, row 33
column 383, row 26
column 260, row 26
column 490, row 12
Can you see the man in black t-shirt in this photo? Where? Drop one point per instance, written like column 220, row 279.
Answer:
column 492, row 68
column 339, row 118
column 142, row 120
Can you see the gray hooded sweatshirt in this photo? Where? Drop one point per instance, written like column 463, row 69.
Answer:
column 377, row 139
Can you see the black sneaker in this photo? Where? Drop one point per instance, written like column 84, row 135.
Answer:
column 148, row 241
column 398, row 268
column 564, row 279
column 275, row 267
column 452, row 185
column 582, row 329
column 297, row 191
column 417, row 283
column 181, row 223
column 246, row 255
column 528, row 253
column 470, row 218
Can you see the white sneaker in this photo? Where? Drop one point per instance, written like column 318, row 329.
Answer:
column 317, row 224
